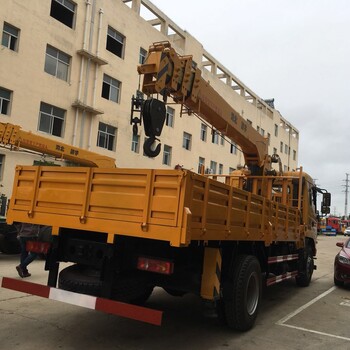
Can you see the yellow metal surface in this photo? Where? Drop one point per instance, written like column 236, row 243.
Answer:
column 170, row 205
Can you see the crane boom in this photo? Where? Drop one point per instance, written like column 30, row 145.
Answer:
column 169, row 74
column 12, row 135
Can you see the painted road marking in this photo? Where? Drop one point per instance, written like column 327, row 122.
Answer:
column 282, row 321
column 345, row 303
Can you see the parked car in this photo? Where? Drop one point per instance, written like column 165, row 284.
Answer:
column 347, row 231
column 342, row 264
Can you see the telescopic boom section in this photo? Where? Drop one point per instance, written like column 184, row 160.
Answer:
column 169, row 74
column 12, row 135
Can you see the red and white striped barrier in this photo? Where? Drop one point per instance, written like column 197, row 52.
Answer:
column 134, row 312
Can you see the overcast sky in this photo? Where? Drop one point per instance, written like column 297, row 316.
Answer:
column 295, row 51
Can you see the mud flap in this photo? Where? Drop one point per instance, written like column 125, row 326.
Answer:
column 211, row 276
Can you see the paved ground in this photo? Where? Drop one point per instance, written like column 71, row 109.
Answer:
column 316, row 317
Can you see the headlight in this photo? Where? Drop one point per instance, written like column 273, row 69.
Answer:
column 343, row 260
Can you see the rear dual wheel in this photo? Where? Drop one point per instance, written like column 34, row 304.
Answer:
column 241, row 294
column 85, row 280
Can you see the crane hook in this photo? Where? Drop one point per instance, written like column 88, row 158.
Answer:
column 149, row 149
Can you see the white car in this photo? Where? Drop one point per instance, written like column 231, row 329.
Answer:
column 347, row 231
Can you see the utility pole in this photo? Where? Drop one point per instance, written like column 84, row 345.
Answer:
column 346, row 195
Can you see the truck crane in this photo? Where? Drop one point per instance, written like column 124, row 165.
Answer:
column 168, row 74
column 127, row 231
column 15, row 138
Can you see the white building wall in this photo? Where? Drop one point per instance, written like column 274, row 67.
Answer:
column 22, row 72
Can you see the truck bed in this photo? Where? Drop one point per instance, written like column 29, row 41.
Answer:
column 177, row 206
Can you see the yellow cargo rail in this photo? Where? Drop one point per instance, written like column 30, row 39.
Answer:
column 169, row 205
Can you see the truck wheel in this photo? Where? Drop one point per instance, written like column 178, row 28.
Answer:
column 242, row 293
column 83, row 279
column 142, row 297
column 306, row 267
column 174, row 292
column 80, row 279
column 132, row 288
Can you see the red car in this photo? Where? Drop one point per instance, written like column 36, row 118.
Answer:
column 342, row 264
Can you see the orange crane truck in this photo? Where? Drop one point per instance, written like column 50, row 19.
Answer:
column 127, row 231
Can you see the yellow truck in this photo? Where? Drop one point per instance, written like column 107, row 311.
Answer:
column 127, row 231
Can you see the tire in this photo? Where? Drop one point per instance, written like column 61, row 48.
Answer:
column 80, row 279
column 132, row 289
column 306, row 267
column 143, row 297
column 338, row 283
column 85, row 280
column 174, row 292
column 242, row 293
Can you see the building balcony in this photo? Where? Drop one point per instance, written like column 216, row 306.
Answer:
column 89, row 55
column 84, row 107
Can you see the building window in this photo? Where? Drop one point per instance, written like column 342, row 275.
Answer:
column 186, row 143
column 142, row 56
column 262, row 132
column 213, row 166
column 115, row 42
column 169, row 120
column 221, row 169
column 201, row 165
column 294, row 155
column 286, row 149
column 281, row 147
column 57, row 63
column 5, row 100
column 222, row 140
column 204, row 129
column 233, row 148
column 10, row 37
column 274, row 150
column 230, row 170
column 249, row 121
column 106, row 136
column 111, row 88
column 167, row 155
column 268, row 138
column 51, row 119
column 135, row 143
column 276, row 130
column 2, row 162
column 215, row 137
column 63, row 11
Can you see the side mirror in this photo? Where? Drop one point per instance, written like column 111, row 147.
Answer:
column 326, row 199
column 340, row 244
column 325, row 210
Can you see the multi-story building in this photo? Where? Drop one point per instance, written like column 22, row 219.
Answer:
column 68, row 71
